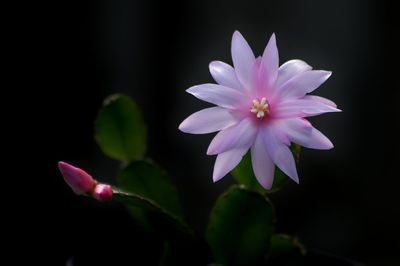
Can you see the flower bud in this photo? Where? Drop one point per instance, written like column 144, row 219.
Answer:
column 102, row 192
column 80, row 181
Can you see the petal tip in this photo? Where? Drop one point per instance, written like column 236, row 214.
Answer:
column 66, row 167
column 77, row 179
column 190, row 90
column 323, row 74
column 329, row 144
column 210, row 151
column 294, row 176
column 306, row 123
column 181, row 127
column 193, row 90
column 266, row 186
column 325, row 144
column 237, row 33
column 328, row 74
column 212, row 63
column 213, row 67
column 215, row 179
column 61, row 165
column 237, row 38
column 216, row 176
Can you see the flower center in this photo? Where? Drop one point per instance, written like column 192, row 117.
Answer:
column 260, row 108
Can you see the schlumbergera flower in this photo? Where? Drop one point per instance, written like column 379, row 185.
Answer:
column 83, row 184
column 261, row 107
column 80, row 181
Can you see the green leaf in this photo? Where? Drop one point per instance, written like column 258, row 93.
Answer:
column 140, row 217
column 161, row 219
column 243, row 173
column 120, row 130
column 284, row 247
column 240, row 227
column 150, row 181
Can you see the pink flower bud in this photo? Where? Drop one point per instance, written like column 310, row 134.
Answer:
column 102, row 192
column 80, row 181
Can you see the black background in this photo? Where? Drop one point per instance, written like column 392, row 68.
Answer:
column 79, row 52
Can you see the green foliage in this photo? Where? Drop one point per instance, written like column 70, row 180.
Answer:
column 159, row 218
column 120, row 130
column 284, row 245
column 243, row 173
column 240, row 230
column 286, row 250
column 144, row 188
column 240, row 227
column 150, row 181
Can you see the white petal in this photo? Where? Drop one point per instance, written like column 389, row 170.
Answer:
column 224, row 75
column 320, row 99
column 263, row 166
column 208, row 120
column 290, row 69
column 270, row 63
column 239, row 135
column 217, row 94
column 243, row 60
column 303, row 83
column 226, row 161
column 279, row 152
column 301, row 108
column 300, row 131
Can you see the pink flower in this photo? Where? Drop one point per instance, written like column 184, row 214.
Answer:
column 261, row 107
column 80, row 181
column 102, row 192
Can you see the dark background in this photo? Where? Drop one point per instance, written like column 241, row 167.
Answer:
column 346, row 203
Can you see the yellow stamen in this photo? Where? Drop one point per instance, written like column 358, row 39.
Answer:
column 260, row 108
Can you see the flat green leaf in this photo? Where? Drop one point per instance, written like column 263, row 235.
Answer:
column 150, row 181
column 120, row 130
column 243, row 173
column 160, row 219
column 140, row 217
column 285, row 248
column 240, row 227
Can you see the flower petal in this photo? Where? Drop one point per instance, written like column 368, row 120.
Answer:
column 279, row 152
column 208, row 120
column 290, row 69
column 239, row 135
column 270, row 64
column 301, row 108
column 224, row 75
column 263, row 166
column 226, row 161
column 217, row 94
column 320, row 99
column 301, row 131
column 303, row 83
column 243, row 60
